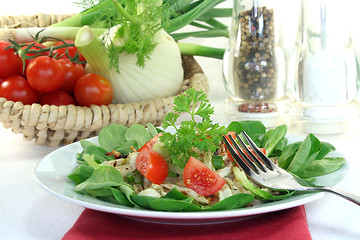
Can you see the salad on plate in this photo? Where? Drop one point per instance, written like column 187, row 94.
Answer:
column 185, row 167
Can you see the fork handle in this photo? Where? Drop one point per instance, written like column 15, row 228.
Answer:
column 342, row 193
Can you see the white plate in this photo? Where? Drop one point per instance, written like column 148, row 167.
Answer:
column 51, row 173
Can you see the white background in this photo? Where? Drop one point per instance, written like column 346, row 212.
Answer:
column 28, row 212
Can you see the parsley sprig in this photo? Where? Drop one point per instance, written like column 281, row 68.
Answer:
column 198, row 132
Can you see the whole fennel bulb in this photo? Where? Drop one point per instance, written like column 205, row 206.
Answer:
column 162, row 75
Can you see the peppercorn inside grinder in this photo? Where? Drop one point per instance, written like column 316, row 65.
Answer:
column 254, row 64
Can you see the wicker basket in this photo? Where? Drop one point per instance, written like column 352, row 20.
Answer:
column 53, row 125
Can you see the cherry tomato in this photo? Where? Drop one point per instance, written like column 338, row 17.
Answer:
column 10, row 62
column 57, row 98
column 16, row 88
column 45, row 74
column 73, row 72
column 198, row 177
column 36, row 46
column 152, row 165
column 233, row 135
column 71, row 51
column 93, row 89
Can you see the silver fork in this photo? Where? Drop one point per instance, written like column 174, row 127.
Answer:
column 267, row 174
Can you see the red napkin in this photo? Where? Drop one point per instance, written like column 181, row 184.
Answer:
column 290, row 224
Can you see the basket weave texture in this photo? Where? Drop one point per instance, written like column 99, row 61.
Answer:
column 54, row 126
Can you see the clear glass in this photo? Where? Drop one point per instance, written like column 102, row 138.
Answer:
column 256, row 62
column 326, row 88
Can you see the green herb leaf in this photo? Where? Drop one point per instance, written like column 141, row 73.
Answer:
column 199, row 132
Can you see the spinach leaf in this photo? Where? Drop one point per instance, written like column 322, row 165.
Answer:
column 121, row 198
column 102, row 177
column 138, row 134
column 112, row 136
column 279, row 147
column 306, row 154
column 100, row 192
column 175, row 194
column 175, row 201
column 238, row 200
column 272, row 138
column 323, row 166
column 171, row 205
column 288, row 154
column 152, row 130
column 325, row 149
column 81, row 173
column 125, row 148
column 98, row 153
column 85, row 143
column 254, row 129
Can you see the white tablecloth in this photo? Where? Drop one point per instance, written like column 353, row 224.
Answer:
column 28, row 212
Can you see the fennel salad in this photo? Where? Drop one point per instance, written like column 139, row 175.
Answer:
column 189, row 169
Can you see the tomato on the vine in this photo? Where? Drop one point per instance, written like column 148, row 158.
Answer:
column 57, row 98
column 16, row 88
column 69, row 51
column 152, row 165
column 10, row 62
column 93, row 89
column 73, row 71
column 198, row 177
column 45, row 74
column 35, row 46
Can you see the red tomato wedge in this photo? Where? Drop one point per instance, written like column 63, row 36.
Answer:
column 151, row 142
column 198, row 177
column 152, row 165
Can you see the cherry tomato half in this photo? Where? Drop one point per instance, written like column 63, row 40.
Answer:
column 93, row 89
column 71, row 51
column 57, row 98
column 73, row 71
column 198, row 177
column 45, row 74
column 10, row 62
column 152, row 165
column 16, row 88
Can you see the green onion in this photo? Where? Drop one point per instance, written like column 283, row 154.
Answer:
column 134, row 178
column 217, row 162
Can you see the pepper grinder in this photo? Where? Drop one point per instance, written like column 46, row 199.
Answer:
column 256, row 60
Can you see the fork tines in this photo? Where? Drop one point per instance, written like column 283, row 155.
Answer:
column 249, row 161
